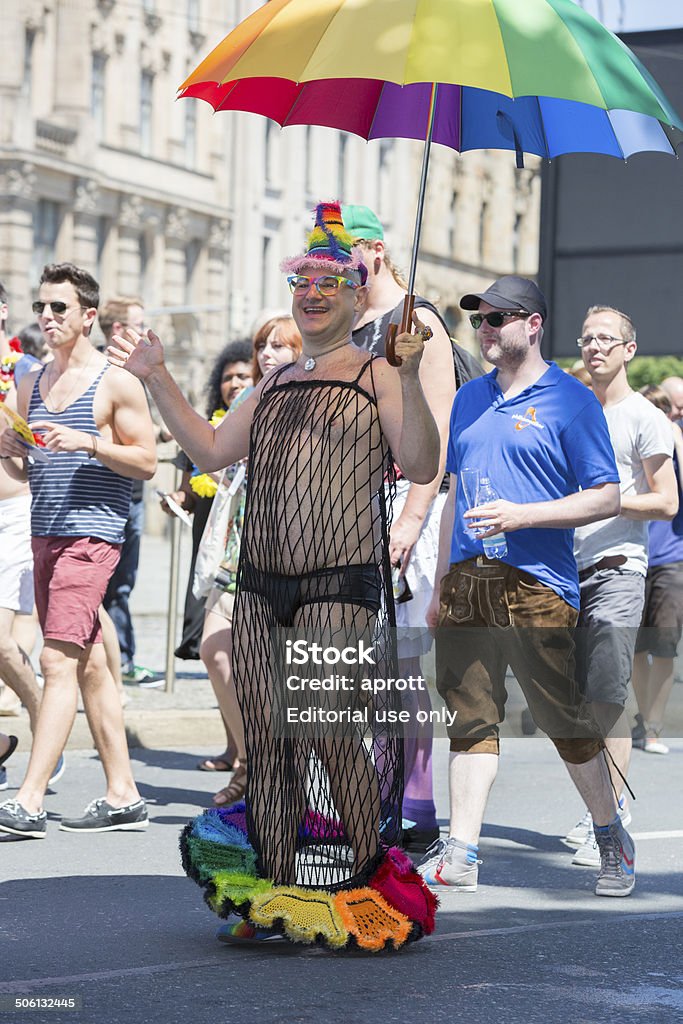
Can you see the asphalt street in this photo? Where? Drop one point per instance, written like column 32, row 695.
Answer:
column 112, row 921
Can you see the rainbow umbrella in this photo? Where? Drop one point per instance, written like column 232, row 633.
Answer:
column 535, row 76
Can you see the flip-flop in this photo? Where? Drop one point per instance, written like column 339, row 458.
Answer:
column 13, row 741
column 214, row 764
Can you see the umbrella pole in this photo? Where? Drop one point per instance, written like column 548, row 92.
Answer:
column 423, row 189
column 409, row 301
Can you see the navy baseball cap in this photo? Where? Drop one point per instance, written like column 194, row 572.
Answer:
column 510, row 292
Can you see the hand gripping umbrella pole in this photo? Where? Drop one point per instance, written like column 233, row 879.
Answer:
column 409, row 302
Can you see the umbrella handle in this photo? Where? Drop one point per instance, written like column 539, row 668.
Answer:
column 405, row 327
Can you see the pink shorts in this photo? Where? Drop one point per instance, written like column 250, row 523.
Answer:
column 71, row 576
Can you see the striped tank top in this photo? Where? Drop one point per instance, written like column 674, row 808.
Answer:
column 72, row 495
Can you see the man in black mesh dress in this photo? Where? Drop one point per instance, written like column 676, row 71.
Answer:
column 321, row 435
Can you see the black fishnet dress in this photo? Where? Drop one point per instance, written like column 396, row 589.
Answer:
column 314, row 559
column 310, row 854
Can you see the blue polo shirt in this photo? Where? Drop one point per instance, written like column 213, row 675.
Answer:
column 545, row 443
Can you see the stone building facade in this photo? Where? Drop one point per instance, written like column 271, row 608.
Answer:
column 194, row 211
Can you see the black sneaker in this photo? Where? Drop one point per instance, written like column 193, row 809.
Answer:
column 418, row 840
column 100, row 816
column 16, row 820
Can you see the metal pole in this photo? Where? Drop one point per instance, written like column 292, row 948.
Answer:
column 423, row 189
column 173, row 595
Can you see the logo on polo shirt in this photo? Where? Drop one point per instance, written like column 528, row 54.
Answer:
column 528, row 420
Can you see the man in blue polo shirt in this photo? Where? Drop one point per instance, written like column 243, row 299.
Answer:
column 541, row 438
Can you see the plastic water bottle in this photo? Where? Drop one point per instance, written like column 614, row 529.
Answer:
column 496, row 546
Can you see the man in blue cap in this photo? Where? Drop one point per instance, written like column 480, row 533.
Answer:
column 541, row 438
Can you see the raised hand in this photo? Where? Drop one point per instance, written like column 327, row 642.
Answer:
column 411, row 346
column 140, row 354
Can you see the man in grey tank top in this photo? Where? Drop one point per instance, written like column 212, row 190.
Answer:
column 97, row 436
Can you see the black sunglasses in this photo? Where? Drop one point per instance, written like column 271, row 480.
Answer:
column 57, row 307
column 496, row 319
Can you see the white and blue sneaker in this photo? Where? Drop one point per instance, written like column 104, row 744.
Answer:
column 617, row 875
column 452, row 864
column 588, row 854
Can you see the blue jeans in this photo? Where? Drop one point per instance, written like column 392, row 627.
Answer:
column 122, row 582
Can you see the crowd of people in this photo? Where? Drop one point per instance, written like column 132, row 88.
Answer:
column 331, row 494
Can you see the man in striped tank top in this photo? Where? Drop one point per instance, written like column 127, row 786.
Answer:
column 98, row 436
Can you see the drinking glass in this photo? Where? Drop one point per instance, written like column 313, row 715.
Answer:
column 469, row 479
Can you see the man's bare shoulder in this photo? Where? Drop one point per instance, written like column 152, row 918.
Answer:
column 122, row 387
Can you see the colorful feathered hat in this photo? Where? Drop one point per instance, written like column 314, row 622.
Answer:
column 329, row 247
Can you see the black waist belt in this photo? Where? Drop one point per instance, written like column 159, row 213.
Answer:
column 608, row 562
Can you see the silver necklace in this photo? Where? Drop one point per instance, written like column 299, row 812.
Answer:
column 311, row 363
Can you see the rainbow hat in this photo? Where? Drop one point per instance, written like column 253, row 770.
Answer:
column 329, row 247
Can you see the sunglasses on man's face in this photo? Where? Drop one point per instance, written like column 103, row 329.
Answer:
column 58, row 307
column 496, row 319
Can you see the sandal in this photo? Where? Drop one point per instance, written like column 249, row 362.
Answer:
column 235, row 789
column 13, row 741
column 215, row 764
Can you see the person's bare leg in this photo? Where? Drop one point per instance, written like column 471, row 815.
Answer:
column 614, row 727
column 105, row 718
column 593, row 782
column 25, row 630
column 652, row 684
column 112, row 652
column 471, row 776
column 59, row 665
column 216, row 653
column 16, row 669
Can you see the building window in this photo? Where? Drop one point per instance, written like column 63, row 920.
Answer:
column 146, row 97
column 193, row 15
column 483, row 224
column 102, row 230
column 45, row 231
column 341, row 165
column 146, row 275
column 192, row 251
column 268, row 152
column 97, row 93
column 266, row 247
column 27, row 75
column 516, row 241
column 190, row 133
column 384, row 174
column 308, row 150
column 452, row 223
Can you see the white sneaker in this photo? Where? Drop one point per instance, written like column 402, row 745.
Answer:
column 652, row 743
column 588, row 854
column 581, row 831
column 452, row 864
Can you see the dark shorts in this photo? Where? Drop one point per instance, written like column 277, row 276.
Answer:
column 71, row 576
column 611, row 610
column 493, row 615
column 662, row 622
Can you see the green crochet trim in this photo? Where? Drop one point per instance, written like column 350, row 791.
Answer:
column 236, row 888
column 209, row 858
